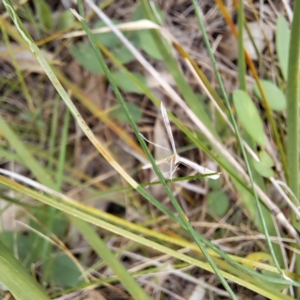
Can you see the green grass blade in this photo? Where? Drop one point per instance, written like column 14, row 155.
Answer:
column 53, row 131
column 283, row 38
column 63, row 149
column 293, row 96
column 16, row 278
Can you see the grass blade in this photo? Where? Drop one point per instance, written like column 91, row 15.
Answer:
column 293, row 94
column 16, row 278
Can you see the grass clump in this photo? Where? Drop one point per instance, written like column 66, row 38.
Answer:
column 86, row 217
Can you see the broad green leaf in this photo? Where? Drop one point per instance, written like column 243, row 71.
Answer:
column 140, row 14
column 43, row 13
column 147, row 44
column 126, row 84
column 262, row 169
column 123, row 54
column 266, row 159
column 274, row 95
column 218, row 203
column 86, row 56
column 283, row 36
column 65, row 20
column 109, row 39
column 215, row 184
column 264, row 166
column 119, row 113
column 65, row 272
column 249, row 116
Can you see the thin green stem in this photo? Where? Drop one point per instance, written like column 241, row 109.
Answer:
column 53, row 131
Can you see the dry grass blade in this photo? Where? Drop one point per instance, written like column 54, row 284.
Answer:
column 168, row 127
column 129, row 26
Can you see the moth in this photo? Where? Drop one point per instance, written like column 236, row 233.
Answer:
column 175, row 159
